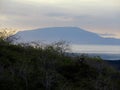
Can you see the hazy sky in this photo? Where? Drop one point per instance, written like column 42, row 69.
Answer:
column 101, row 16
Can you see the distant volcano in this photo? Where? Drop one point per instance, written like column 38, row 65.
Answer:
column 73, row 35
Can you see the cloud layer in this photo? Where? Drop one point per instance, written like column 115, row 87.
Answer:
column 101, row 16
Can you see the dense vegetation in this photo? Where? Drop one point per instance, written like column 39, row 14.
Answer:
column 26, row 67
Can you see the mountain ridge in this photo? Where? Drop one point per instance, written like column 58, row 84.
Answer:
column 74, row 35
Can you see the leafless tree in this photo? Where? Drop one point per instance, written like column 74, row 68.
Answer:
column 8, row 35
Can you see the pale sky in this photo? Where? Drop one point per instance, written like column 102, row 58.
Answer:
column 100, row 16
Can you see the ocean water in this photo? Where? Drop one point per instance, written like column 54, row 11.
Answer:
column 106, row 52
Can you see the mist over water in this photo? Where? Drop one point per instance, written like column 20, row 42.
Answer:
column 107, row 52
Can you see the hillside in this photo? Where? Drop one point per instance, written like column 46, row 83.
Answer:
column 69, row 34
column 115, row 64
column 24, row 67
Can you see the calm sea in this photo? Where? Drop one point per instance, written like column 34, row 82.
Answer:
column 107, row 52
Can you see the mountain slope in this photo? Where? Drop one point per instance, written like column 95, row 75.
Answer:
column 70, row 34
column 115, row 63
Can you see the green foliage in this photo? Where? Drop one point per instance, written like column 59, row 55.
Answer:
column 26, row 67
